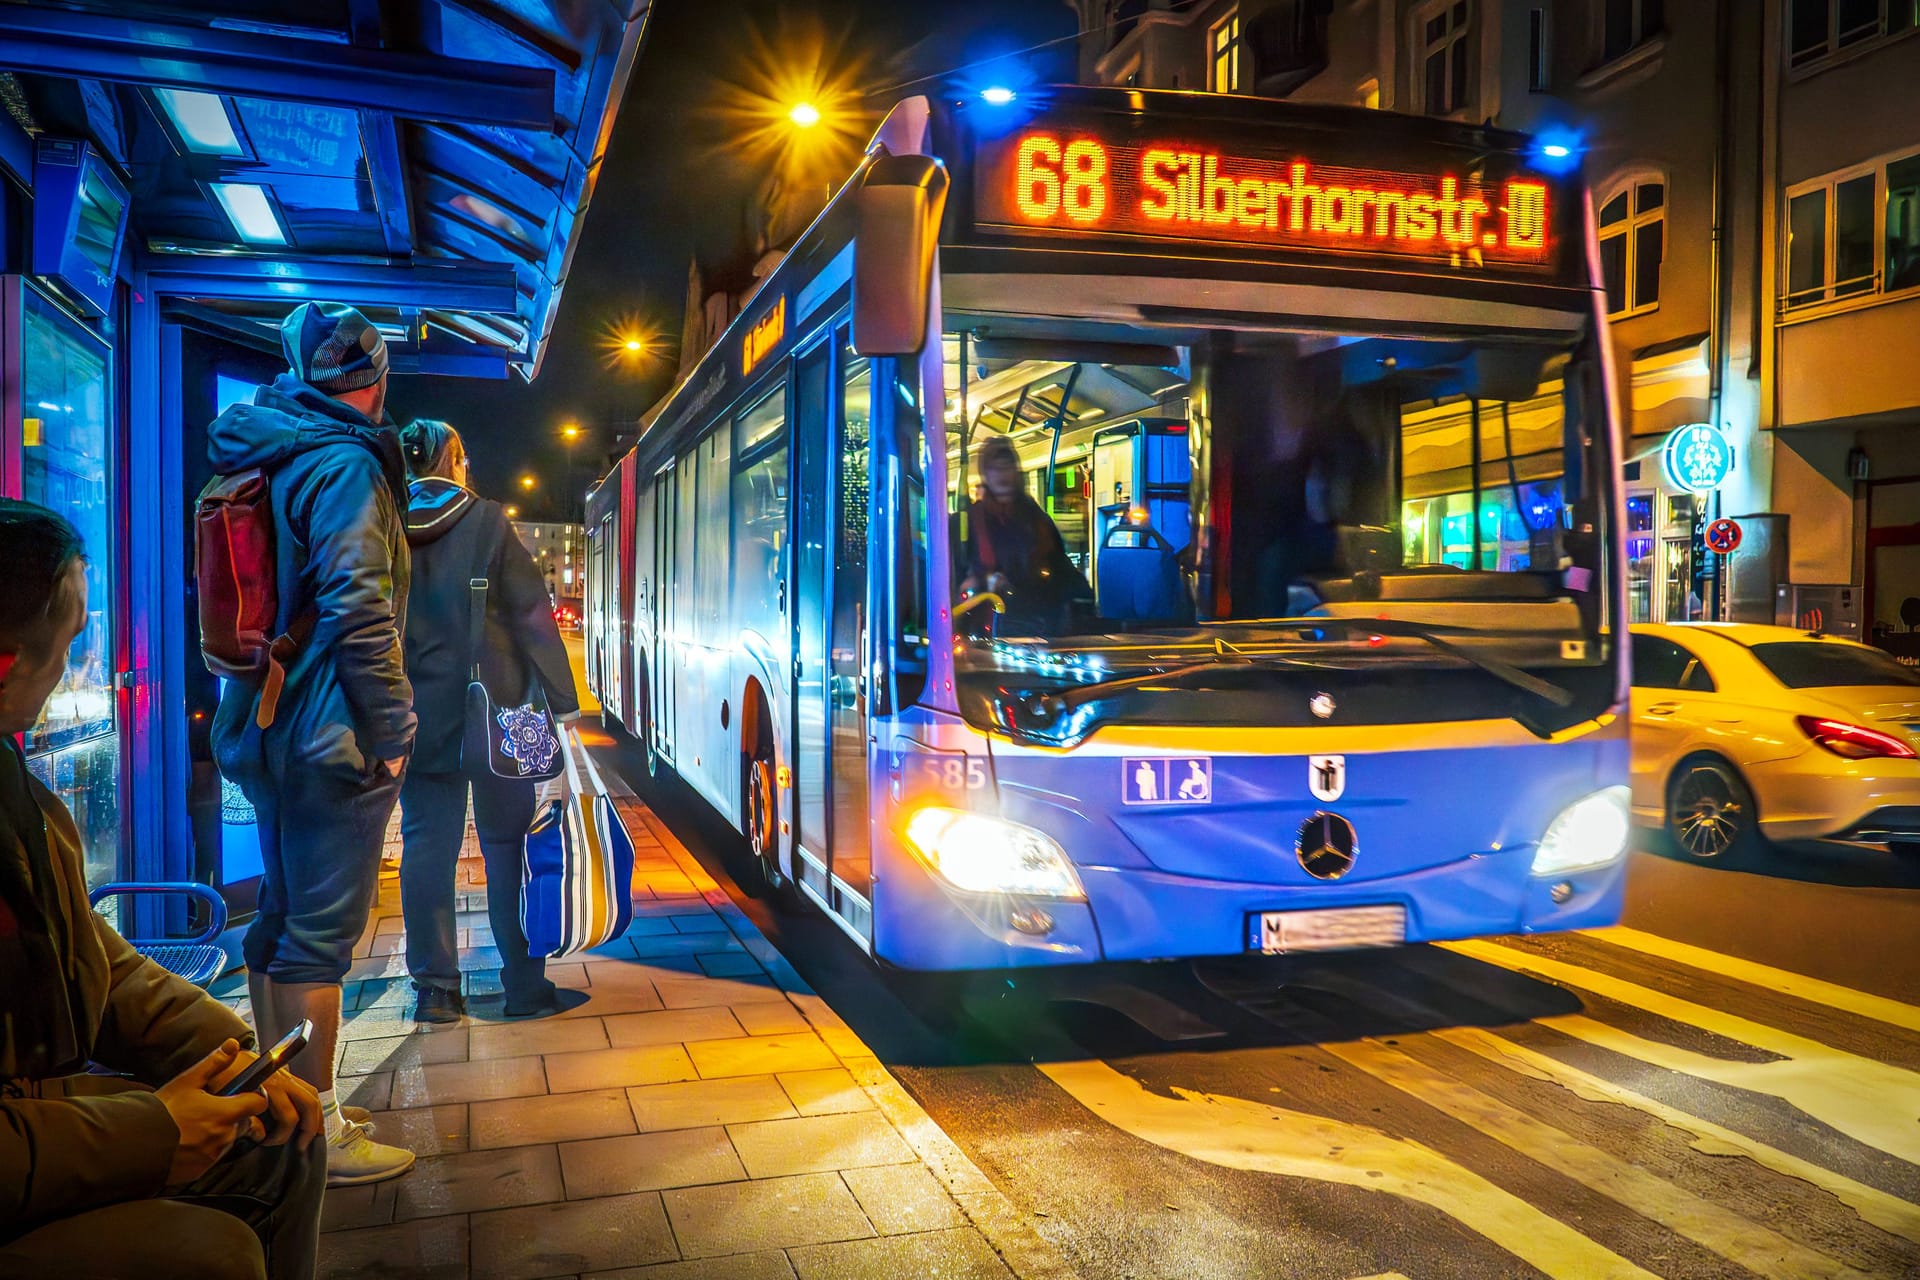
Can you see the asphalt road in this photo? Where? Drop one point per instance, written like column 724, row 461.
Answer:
column 1728, row 1086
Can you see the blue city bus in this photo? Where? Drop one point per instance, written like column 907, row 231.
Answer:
column 1304, row 633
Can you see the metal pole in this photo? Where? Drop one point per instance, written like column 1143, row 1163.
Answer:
column 1474, row 464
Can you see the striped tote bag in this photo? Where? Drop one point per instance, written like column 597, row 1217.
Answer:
column 577, row 889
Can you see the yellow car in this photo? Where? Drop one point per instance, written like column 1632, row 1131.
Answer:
column 1747, row 735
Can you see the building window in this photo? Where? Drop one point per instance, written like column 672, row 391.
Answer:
column 1539, row 52
column 1443, row 39
column 1223, row 53
column 1854, row 233
column 1633, row 235
column 1627, row 23
column 1817, row 28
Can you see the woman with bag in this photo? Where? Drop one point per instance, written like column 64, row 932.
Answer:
column 491, row 686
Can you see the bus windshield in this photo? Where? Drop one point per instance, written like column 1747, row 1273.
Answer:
column 1136, row 496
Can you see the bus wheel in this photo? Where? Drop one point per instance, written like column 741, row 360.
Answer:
column 1710, row 809
column 763, row 827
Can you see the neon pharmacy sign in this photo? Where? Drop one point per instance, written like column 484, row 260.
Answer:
column 1047, row 180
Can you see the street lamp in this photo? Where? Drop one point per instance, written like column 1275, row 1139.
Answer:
column 513, row 512
column 804, row 115
column 570, row 436
column 527, row 483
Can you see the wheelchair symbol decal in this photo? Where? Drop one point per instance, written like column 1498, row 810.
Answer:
column 1180, row 780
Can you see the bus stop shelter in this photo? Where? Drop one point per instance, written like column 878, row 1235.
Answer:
column 173, row 179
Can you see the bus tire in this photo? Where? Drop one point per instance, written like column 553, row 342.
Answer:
column 760, row 803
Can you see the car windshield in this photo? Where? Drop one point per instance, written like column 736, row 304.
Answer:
column 1198, row 484
column 1815, row 664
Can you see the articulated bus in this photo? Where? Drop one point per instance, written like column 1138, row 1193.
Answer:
column 1315, row 420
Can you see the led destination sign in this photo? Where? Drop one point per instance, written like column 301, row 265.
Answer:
column 1070, row 181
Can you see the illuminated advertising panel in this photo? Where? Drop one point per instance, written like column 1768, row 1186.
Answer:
column 1130, row 178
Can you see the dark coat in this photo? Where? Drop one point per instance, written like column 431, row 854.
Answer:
column 63, row 1155
column 456, row 537
column 339, row 492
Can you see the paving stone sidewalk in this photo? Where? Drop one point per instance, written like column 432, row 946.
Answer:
column 703, row 1114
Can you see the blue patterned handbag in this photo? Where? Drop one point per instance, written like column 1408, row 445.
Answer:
column 515, row 742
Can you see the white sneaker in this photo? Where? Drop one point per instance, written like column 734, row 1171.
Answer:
column 355, row 1158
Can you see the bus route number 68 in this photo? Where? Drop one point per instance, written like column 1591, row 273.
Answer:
column 956, row 773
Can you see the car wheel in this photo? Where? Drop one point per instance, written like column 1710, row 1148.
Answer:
column 1710, row 809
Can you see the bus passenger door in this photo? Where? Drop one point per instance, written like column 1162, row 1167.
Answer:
column 830, row 587
column 666, row 505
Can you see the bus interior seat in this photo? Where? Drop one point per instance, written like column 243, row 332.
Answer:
column 1139, row 577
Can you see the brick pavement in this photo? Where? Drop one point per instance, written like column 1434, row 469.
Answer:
column 703, row 1114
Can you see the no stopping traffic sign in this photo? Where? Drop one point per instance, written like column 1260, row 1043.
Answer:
column 1723, row 536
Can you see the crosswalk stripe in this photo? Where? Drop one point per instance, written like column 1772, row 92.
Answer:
column 1265, row 1138
column 1814, row 990
column 1875, row 1207
column 1873, row 1102
column 1749, row 1244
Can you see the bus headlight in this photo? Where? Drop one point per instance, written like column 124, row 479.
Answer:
column 980, row 854
column 1590, row 832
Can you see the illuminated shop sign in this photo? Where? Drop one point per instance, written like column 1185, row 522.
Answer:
column 1696, row 457
column 1071, row 181
column 765, row 335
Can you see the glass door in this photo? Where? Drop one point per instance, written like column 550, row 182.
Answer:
column 831, row 685
column 67, row 463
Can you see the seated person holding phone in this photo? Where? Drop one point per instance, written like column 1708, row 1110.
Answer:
column 170, row 1180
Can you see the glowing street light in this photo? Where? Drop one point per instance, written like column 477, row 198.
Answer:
column 571, row 431
column 633, row 346
column 512, row 512
column 804, row 114
column 527, row 482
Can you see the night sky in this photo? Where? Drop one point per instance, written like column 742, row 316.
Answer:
column 676, row 182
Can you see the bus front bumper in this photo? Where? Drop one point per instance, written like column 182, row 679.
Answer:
column 1133, row 913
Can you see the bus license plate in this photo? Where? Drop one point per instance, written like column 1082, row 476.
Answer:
column 1333, row 929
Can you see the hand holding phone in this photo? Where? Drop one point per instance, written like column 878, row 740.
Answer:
column 207, row 1124
column 275, row 1059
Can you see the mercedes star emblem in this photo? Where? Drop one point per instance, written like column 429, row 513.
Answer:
column 1326, row 846
column 1321, row 704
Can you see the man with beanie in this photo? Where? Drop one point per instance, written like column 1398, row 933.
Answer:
column 324, row 773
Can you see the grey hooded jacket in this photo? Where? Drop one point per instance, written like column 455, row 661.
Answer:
column 339, row 502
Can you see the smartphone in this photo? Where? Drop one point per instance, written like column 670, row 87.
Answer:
column 274, row 1059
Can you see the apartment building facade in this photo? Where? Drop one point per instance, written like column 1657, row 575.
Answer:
column 1706, row 128
column 559, row 551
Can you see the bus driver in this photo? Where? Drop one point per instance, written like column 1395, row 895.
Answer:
column 1012, row 547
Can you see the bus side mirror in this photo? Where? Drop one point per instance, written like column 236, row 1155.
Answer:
column 896, row 234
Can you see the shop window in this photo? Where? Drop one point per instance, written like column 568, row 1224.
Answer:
column 1223, row 53
column 1818, row 28
column 1640, row 557
column 67, row 464
column 1633, row 231
column 1443, row 44
column 1627, row 23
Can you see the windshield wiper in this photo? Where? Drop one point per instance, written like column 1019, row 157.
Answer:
column 1052, row 702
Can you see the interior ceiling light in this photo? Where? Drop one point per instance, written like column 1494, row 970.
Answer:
column 250, row 211
column 201, row 120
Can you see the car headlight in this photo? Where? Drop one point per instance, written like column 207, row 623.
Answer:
column 980, row 854
column 1590, row 832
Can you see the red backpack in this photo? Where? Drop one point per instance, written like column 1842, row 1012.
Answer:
column 234, row 567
